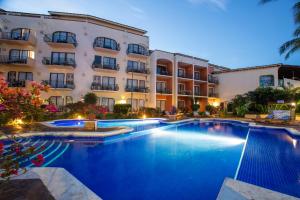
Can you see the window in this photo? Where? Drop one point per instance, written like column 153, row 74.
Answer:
column 161, row 105
column 132, row 65
column 136, row 103
column 69, row 99
column 160, row 86
column 57, row 80
column 17, row 54
column 181, row 104
column 11, row 76
column 106, row 43
column 197, row 89
column 97, row 79
column 142, row 84
column 69, row 78
column 181, row 87
column 108, row 102
column 62, row 58
column 197, row 75
column 266, row 81
column 109, row 62
column 98, row 60
column 132, row 83
column 108, row 81
column 181, row 72
column 160, row 69
column 20, row 33
column 23, row 76
column 63, row 37
column 137, row 49
column 56, row 100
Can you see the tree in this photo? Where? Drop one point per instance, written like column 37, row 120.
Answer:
column 90, row 98
column 293, row 45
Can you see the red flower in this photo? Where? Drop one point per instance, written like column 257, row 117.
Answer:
column 17, row 150
column 1, row 148
column 14, row 171
column 38, row 161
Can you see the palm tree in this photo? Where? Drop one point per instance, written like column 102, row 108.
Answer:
column 293, row 45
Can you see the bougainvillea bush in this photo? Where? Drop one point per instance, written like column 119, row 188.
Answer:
column 14, row 155
column 20, row 103
column 16, row 105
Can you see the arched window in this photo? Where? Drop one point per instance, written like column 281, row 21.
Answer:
column 20, row 33
column 107, row 43
column 64, row 37
column 137, row 49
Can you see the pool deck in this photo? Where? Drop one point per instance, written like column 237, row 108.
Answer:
column 238, row 190
column 60, row 183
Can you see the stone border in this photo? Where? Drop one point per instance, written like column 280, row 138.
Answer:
column 60, row 183
column 291, row 131
column 124, row 130
column 238, row 190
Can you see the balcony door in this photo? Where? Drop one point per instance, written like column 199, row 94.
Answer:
column 132, row 83
column 181, row 87
column 57, row 80
column 108, row 81
column 197, row 90
column 160, row 86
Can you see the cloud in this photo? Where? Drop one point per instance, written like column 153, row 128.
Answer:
column 220, row 4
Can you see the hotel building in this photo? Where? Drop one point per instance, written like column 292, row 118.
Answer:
column 76, row 54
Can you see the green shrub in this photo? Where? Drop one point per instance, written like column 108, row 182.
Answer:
column 122, row 108
column 90, row 98
column 150, row 112
column 195, row 107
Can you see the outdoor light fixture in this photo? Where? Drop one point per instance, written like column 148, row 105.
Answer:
column 79, row 117
column 122, row 101
column 216, row 104
column 144, row 116
column 293, row 104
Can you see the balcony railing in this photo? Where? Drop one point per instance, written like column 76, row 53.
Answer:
column 164, row 73
column 196, row 93
column 108, row 67
column 68, row 62
column 68, row 40
column 5, row 59
column 164, row 91
column 137, row 89
column 189, row 76
column 19, row 83
column 99, row 86
column 59, row 84
column 213, row 95
column 97, row 45
column 10, row 36
column 212, row 79
column 184, row 92
column 138, row 70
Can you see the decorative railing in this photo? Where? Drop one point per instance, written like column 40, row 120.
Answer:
column 99, row 86
column 59, row 84
column 67, row 62
column 138, row 70
column 109, row 67
column 5, row 59
column 164, row 91
column 137, row 89
column 68, row 40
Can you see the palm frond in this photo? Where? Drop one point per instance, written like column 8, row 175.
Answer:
column 297, row 32
column 296, row 9
column 290, row 47
column 265, row 1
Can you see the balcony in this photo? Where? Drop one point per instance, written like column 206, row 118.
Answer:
column 19, row 83
column 137, row 89
column 212, row 79
column 164, row 73
column 99, row 67
column 186, row 76
column 198, row 78
column 213, row 95
column 184, row 92
column 67, row 42
column 106, row 48
column 199, row 94
column 16, row 61
column 163, row 91
column 99, row 86
column 58, row 63
column 23, row 40
column 69, row 85
column 138, row 51
column 138, row 70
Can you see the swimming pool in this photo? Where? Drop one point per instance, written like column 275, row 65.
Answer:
column 136, row 124
column 184, row 161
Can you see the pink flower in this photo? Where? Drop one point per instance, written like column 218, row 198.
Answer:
column 38, row 161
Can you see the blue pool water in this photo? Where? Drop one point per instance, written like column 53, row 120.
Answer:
column 136, row 124
column 186, row 161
